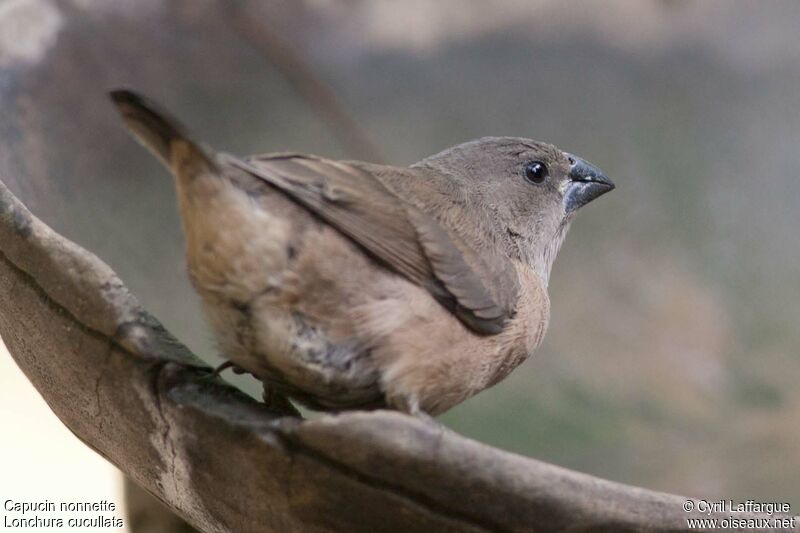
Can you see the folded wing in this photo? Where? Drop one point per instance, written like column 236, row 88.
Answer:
column 481, row 293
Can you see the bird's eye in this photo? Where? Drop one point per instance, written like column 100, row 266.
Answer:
column 536, row 172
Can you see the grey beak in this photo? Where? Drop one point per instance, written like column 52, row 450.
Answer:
column 587, row 182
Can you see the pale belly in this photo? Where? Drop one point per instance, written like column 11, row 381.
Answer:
column 303, row 308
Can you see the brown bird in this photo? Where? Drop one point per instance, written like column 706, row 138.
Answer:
column 350, row 285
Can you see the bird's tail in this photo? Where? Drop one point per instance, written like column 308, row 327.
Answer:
column 159, row 132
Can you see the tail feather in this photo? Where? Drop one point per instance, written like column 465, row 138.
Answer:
column 157, row 131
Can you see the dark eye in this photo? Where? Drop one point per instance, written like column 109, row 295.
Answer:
column 536, row 172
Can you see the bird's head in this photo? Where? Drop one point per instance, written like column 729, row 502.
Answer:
column 528, row 191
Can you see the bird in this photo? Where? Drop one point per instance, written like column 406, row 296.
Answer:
column 348, row 285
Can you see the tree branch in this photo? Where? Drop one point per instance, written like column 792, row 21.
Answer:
column 224, row 462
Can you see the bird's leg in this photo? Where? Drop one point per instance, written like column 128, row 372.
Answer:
column 219, row 369
column 229, row 364
column 276, row 401
column 415, row 411
column 273, row 399
column 428, row 419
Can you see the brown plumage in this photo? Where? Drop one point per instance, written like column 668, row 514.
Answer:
column 351, row 285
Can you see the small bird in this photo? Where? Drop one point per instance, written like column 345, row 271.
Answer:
column 351, row 285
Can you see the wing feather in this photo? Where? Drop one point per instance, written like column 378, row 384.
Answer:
column 401, row 236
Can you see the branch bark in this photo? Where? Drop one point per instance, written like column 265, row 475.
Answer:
column 224, row 462
column 148, row 515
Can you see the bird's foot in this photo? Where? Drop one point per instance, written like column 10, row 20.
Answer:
column 219, row 369
column 415, row 411
column 277, row 401
column 426, row 418
column 226, row 365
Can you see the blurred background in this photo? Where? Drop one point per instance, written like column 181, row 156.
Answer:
column 672, row 358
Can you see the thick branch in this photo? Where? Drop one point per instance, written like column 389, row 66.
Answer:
column 222, row 461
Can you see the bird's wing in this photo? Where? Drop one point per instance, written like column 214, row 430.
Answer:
column 481, row 294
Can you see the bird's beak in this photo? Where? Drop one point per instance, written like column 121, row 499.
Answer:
column 586, row 182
